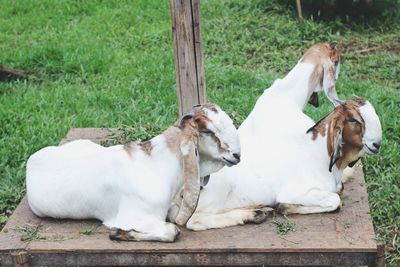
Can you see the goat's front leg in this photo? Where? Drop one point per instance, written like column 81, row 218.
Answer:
column 251, row 214
column 160, row 231
column 348, row 172
column 314, row 201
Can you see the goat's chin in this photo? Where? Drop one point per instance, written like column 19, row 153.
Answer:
column 208, row 167
column 369, row 151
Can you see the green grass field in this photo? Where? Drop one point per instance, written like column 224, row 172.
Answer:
column 110, row 64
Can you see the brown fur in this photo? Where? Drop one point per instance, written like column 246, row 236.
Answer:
column 146, row 147
column 323, row 55
column 211, row 107
column 339, row 123
column 121, row 235
column 172, row 138
column 130, row 148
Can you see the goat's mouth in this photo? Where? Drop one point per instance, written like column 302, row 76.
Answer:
column 228, row 162
column 371, row 151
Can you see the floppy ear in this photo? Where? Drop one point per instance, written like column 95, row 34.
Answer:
column 190, row 114
column 336, row 149
column 329, row 84
column 191, row 179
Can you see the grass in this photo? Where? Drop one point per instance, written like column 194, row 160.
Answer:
column 283, row 225
column 30, row 233
column 110, row 64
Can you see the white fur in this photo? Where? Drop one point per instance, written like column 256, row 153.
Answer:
column 129, row 191
column 373, row 128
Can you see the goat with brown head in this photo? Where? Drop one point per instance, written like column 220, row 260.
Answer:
column 353, row 129
column 209, row 142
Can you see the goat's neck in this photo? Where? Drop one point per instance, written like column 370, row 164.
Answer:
column 295, row 87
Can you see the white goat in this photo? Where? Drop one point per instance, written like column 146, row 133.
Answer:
column 301, row 174
column 130, row 187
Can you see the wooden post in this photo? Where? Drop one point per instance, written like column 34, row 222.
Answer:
column 299, row 12
column 189, row 63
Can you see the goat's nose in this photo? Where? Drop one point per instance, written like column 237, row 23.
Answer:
column 377, row 145
column 236, row 155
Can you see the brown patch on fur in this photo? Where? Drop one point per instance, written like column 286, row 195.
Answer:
column 211, row 107
column 319, row 53
column 340, row 120
column 130, row 148
column 146, row 147
column 172, row 138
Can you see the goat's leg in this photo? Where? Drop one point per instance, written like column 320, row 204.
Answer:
column 252, row 214
column 160, row 231
column 314, row 201
column 348, row 172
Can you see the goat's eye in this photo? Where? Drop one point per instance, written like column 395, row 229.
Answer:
column 206, row 131
column 336, row 63
column 352, row 120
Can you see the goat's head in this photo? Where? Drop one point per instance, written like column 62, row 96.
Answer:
column 208, row 136
column 353, row 130
column 326, row 59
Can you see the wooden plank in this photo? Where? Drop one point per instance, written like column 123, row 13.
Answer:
column 343, row 238
column 189, row 66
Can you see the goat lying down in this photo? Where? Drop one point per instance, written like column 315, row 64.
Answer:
column 301, row 174
column 130, row 187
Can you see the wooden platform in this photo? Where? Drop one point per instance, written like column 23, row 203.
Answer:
column 345, row 238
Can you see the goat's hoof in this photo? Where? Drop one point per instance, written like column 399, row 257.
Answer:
column 259, row 216
column 115, row 234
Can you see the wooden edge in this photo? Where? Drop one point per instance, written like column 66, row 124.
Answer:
column 204, row 259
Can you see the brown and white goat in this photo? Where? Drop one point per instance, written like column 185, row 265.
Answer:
column 130, row 187
column 298, row 174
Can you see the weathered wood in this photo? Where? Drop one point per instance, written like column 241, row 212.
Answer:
column 20, row 258
column 345, row 238
column 188, row 54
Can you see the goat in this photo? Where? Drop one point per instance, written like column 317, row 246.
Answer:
column 130, row 187
column 300, row 174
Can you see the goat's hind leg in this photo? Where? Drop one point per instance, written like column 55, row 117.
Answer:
column 314, row 201
column 252, row 214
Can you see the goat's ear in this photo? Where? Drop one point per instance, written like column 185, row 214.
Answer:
column 190, row 114
column 329, row 84
column 191, row 180
column 336, row 149
column 332, row 44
